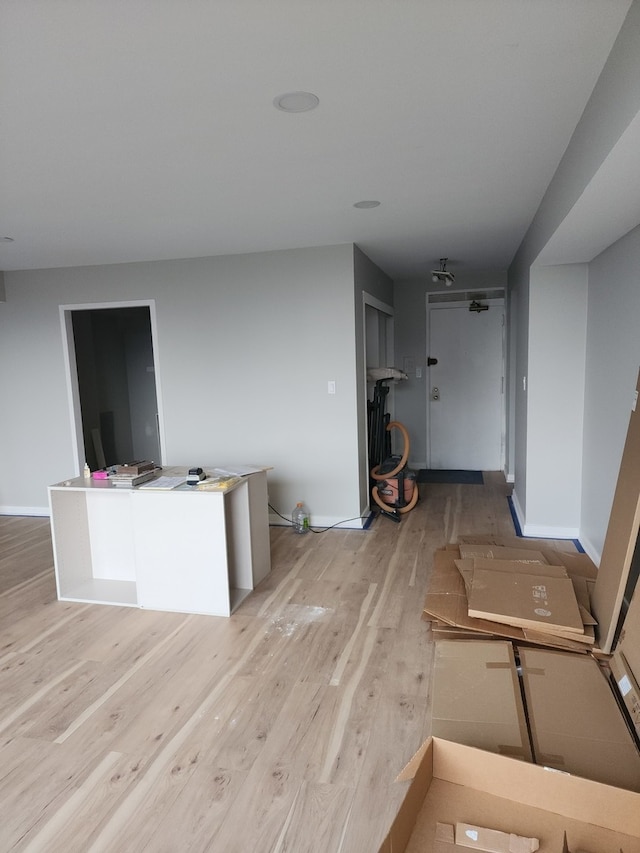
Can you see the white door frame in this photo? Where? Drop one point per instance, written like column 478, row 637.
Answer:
column 482, row 295
column 73, row 390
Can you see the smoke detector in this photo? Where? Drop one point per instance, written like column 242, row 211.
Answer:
column 442, row 275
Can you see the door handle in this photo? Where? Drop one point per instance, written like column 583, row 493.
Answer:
column 431, row 361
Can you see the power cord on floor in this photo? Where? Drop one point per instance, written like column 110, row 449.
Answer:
column 322, row 529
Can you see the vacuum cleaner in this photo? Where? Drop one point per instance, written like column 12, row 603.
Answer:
column 393, row 487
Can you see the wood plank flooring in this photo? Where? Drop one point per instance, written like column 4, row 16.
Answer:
column 279, row 729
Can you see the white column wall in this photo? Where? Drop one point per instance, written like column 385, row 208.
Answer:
column 555, row 399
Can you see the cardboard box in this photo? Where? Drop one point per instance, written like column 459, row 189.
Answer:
column 451, row 782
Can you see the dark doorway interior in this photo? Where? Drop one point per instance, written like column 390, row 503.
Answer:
column 117, row 386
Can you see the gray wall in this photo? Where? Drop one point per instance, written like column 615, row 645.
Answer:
column 245, row 347
column 611, row 111
column 555, row 395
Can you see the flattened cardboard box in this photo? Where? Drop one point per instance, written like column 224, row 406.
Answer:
column 576, row 563
column 627, row 688
column 626, row 662
column 477, row 699
column 467, row 565
column 525, row 601
column 446, row 602
column 629, row 642
column 450, row 782
column 575, row 721
column 621, row 537
column 495, row 552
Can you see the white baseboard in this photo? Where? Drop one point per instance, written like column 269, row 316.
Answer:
column 25, row 510
column 517, row 509
column 590, row 551
column 540, row 531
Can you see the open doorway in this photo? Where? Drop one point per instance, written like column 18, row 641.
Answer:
column 112, row 376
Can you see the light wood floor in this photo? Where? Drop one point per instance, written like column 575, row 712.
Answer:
column 279, row 729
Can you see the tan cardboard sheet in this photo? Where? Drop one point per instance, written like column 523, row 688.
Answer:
column 496, row 552
column 525, row 601
column 467, row 565
column 575, row 562
column 629, row 642
column 627, row 687
column 446, row 602
column 451, row 782
column 576, row 725
column 477, row 698
column 621, row 537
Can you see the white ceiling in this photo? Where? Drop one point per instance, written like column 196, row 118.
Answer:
column 145, row 129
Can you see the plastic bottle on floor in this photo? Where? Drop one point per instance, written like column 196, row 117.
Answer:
column 300, row 518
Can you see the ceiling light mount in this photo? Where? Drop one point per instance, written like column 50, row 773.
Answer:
column 442, row 275
column 296, row 102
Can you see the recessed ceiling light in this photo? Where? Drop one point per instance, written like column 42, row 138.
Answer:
column 6, row 240
column 296, row 102
column 365, row 205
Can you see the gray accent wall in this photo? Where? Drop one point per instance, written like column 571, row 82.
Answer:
column 245, row 347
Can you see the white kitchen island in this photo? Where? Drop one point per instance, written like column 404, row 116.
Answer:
column 186, row 549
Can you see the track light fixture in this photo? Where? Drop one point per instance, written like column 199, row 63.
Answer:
column 442, row 276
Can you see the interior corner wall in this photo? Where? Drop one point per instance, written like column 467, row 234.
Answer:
column 555, row 399
column 612, row 362
column 511, row 306
column 518, row 319
column 245, row 346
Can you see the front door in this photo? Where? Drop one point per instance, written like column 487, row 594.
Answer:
column 465, row 390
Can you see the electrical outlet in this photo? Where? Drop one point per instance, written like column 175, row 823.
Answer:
column 331, row 386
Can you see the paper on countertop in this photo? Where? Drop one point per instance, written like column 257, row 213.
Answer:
column 236, row 470
column 164, row 483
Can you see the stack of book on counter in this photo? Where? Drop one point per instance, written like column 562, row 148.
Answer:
column 131, row 474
